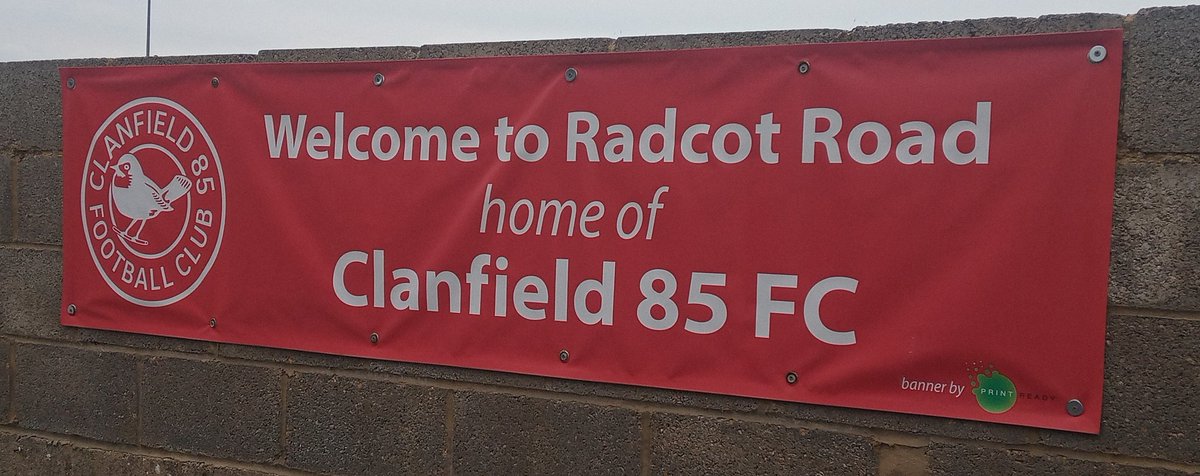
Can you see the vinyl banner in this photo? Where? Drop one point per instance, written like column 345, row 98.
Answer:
column 912, row 226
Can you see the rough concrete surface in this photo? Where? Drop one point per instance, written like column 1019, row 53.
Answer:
column 1156, row 236
column 75, row 392
column 902, row 460
column 380, row 53
column 7, row 173
column 29, row 455
column 211, row 408
column 987, row 27
column 30, row 105
column 1152, row 369
column 1161, row 110
column 502, row 434
column 30, row 286
column 516, row 48
column 962, row 459
column 39, row 199
column 720, row 40
column 5, row 375
column 351, row 426
column 695, row 445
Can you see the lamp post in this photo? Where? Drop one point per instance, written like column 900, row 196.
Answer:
column 148, row 28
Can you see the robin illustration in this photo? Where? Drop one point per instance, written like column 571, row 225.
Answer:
column 139, row 198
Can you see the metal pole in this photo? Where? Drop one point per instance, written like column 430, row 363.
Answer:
column 148, row 28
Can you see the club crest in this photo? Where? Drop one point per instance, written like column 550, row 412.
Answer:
column 153, row 201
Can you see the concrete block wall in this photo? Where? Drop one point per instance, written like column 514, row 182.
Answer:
column 78, row 401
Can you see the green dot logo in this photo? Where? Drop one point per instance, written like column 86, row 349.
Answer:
column 994, row 391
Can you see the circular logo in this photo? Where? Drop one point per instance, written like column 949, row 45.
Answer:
column 153, row 201
column 994, row 391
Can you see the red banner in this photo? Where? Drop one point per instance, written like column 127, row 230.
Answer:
column 914, row 226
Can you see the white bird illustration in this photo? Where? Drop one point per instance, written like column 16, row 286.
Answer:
column 139, row 198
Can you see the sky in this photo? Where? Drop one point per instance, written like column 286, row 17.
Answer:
column 56, row 29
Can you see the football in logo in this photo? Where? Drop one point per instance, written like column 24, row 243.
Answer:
column 153, row 201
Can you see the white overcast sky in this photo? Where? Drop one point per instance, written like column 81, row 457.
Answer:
column 56, row 29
